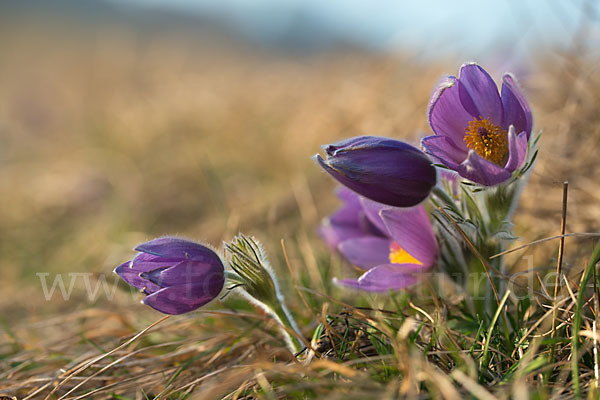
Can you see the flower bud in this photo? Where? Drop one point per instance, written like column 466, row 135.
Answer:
column 252, row 269
column 384, row 170
column 177, row 275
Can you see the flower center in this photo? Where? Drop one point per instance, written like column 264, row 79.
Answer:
column 399, row 256
column 488, row 140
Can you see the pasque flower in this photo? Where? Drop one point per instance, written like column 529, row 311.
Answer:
column 394, row 245
column 177, row 275
column 479, row 133
column 381, row 169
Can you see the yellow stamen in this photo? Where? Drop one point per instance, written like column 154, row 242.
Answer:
column 488, row 140
column 399, row 256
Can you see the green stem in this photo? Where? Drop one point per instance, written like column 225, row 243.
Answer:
column 288, row 328
column 445, row 197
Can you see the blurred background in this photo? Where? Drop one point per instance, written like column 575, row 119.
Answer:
column 121, row 121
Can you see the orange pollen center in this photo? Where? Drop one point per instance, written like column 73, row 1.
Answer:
column 488, row 140
column 400, row 256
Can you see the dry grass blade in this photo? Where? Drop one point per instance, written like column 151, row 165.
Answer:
column 473, row 387
column 293, row 276
column 103, row 356
column 561, row 248
column 535, row 242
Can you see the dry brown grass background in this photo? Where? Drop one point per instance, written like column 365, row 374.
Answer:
column 110, row 138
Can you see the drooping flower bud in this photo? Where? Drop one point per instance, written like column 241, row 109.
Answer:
column 384, row 170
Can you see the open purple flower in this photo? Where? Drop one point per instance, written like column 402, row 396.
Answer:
column 381, row 169
column 177, row 275
column 394, row 245
column 479, row 133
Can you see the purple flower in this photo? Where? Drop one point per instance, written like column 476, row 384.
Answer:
column 394, row 245
column 177, row 275
column 381, row 169
column 479, row 133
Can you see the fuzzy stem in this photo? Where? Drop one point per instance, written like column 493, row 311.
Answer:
column 288, row 324
column 280, row 313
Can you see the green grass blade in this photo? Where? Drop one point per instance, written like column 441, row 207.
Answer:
column 578, row 317
column 491, row 329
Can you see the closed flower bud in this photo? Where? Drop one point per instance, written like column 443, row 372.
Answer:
column 177, row 275
column 384, row 170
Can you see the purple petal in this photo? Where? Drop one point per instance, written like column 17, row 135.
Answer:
column 516, row 109
column 333, row 234
column 411, row 229
column 482, row 171
column 383, row 278
column 366, row 252
column 346, row 195
column 371, row 209
column 517, row 147
column 396, row 177
column 369, row 228
column 349, row 221
column 447, row 114
column 479, row 89
column 443, row 149
column 186, row 272
column 355, row 142
column 358, row 143
column 133, row 278
column 182, row 299
column 449, row 175
column 452, row 178
column 144, row 262
column 348, row 213
column 177, row 248
column 352, row 214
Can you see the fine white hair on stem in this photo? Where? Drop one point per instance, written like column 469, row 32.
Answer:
column 250, row 270
column 270, row 312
